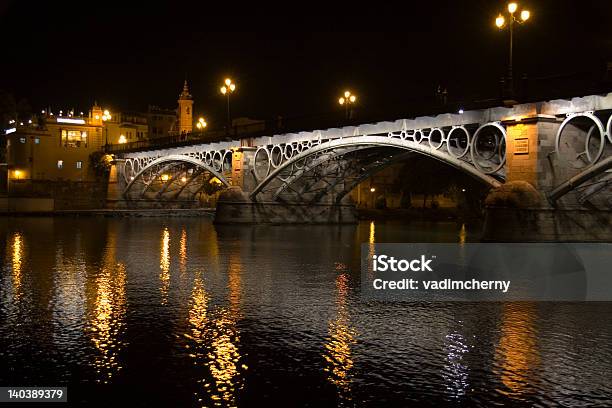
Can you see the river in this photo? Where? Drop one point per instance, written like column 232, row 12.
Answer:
column 180, row 312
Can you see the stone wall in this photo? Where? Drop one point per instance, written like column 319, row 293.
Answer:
column 64, row 195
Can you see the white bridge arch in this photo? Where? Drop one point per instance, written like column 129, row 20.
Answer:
column 327, row 171
column 170, row 177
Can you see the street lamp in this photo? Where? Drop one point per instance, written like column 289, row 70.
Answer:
column 347, row 100
column 228, row 88
column 105, row 117
column 500, row 22
column 201, row 124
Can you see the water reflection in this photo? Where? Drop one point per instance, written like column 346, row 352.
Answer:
column 338, row 353
column 462, row 234
column 106, row 318
column 183, row 252
column 517, row 355
column 17, row 260
column 69, row 298
column 215, row 339
column 164, row 266
column 455, row 369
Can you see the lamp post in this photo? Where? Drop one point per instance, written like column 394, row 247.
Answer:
column 201, row 124
column 347, row 101
column 105, row 117
column 228, row 88
column 500, row 22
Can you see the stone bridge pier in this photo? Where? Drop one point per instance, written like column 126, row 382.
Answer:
column 558, row 177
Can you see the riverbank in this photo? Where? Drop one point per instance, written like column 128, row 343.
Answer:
column 181, row 212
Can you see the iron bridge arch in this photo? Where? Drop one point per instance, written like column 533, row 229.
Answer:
column 171, row 177
column 326, row 171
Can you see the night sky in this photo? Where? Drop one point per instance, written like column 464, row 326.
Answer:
column 293, row 62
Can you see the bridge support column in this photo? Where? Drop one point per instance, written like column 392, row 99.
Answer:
column 519, row 209
column 114, row 190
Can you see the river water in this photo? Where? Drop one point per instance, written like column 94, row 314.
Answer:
column 179, row 312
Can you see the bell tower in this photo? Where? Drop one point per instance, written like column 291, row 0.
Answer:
column 185, row 110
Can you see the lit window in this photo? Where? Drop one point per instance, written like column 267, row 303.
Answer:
column 37, row 140
column 74, row 138
column 60, row 164
column 79, row 164
column 22, row 139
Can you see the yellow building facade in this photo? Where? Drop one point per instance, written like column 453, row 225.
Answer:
column 56, row 148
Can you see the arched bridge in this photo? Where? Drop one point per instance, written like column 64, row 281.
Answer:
column 561, row 147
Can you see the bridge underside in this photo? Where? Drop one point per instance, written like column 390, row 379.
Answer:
column 171, row 179
column 325, row 174
column 313, row 185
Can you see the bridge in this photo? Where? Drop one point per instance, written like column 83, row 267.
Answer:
column 551, row 157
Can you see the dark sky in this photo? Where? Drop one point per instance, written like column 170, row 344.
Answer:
column 291, row 61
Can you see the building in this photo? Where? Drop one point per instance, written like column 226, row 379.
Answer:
column 161, row 121
column 126, row 127
column 59, row 146
column 185, row 111
column 54, row 147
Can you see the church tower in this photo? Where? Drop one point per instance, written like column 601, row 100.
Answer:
column 185, row 110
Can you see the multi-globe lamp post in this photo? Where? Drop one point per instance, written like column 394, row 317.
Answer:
column 201, row 124
column 228, row 88
column 347, row 101
column 105, row 117
column 501, row 23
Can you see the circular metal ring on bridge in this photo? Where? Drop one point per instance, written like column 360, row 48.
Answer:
column 259, row 160
column 449, row 140
column 226, row 163
column 127, row 170
column 288, row 151
column 499, row 149
column 587, row 151
column 276, row 156
column 609, row 128
column 137, row 166
column 418, row 136
column 208, row 157
column 217, row 161
column 431, row 138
